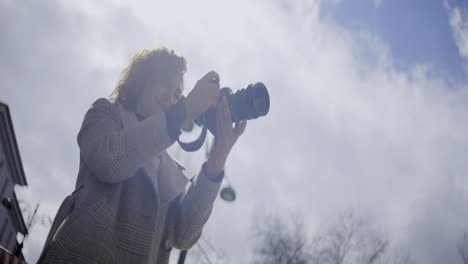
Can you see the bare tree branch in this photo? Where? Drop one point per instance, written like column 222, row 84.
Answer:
column 462, row 248
column 349, row 240
column 280, row 242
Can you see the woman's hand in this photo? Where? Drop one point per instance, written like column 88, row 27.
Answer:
column 203, row 96
column 225, row 138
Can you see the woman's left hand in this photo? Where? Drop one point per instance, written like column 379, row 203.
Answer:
column 225, row 138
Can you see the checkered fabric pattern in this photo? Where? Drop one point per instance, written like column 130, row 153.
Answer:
column 119, row 213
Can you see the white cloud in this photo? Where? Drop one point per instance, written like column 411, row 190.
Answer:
column 458, row 18
column 346, row 128
column 377, row 3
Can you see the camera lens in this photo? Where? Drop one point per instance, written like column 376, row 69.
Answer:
column 249, row 103
column 260, row 100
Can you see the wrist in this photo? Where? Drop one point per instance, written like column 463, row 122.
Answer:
column 212, row 171
column 215, row 164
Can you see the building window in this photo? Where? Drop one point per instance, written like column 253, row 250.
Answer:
column 2, row 183
column 2, row 231
column 2, row 163
column 10, row 240
column 2, row 192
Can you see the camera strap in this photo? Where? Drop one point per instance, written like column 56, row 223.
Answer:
column 195, row 145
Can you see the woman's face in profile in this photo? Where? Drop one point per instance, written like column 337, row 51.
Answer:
column 162, row 95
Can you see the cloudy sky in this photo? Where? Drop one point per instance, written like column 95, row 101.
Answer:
column 369, row 104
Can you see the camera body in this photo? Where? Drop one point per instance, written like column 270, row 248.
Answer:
column 245, row 104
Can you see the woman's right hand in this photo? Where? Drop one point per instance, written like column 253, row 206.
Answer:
column 204, row 95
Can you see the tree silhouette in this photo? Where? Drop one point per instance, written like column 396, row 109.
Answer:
column 278, row 241
column 348, row 240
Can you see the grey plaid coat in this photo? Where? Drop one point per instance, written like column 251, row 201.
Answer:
column 130, row 204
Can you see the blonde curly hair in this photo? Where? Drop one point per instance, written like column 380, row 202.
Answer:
column 147, row 67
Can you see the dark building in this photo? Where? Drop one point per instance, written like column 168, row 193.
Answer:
column 11, row 173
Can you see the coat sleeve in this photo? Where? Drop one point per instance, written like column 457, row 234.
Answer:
column 114, row 153
column 194, row 209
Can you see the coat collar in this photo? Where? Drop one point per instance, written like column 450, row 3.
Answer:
column 163, row 172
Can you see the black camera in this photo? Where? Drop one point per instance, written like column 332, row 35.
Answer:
column 245, row 104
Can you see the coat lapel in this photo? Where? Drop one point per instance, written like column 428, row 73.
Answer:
column 167, row 179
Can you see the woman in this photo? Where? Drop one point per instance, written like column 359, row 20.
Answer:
column 130, row 204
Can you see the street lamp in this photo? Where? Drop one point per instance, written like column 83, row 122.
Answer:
column 228, row 194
